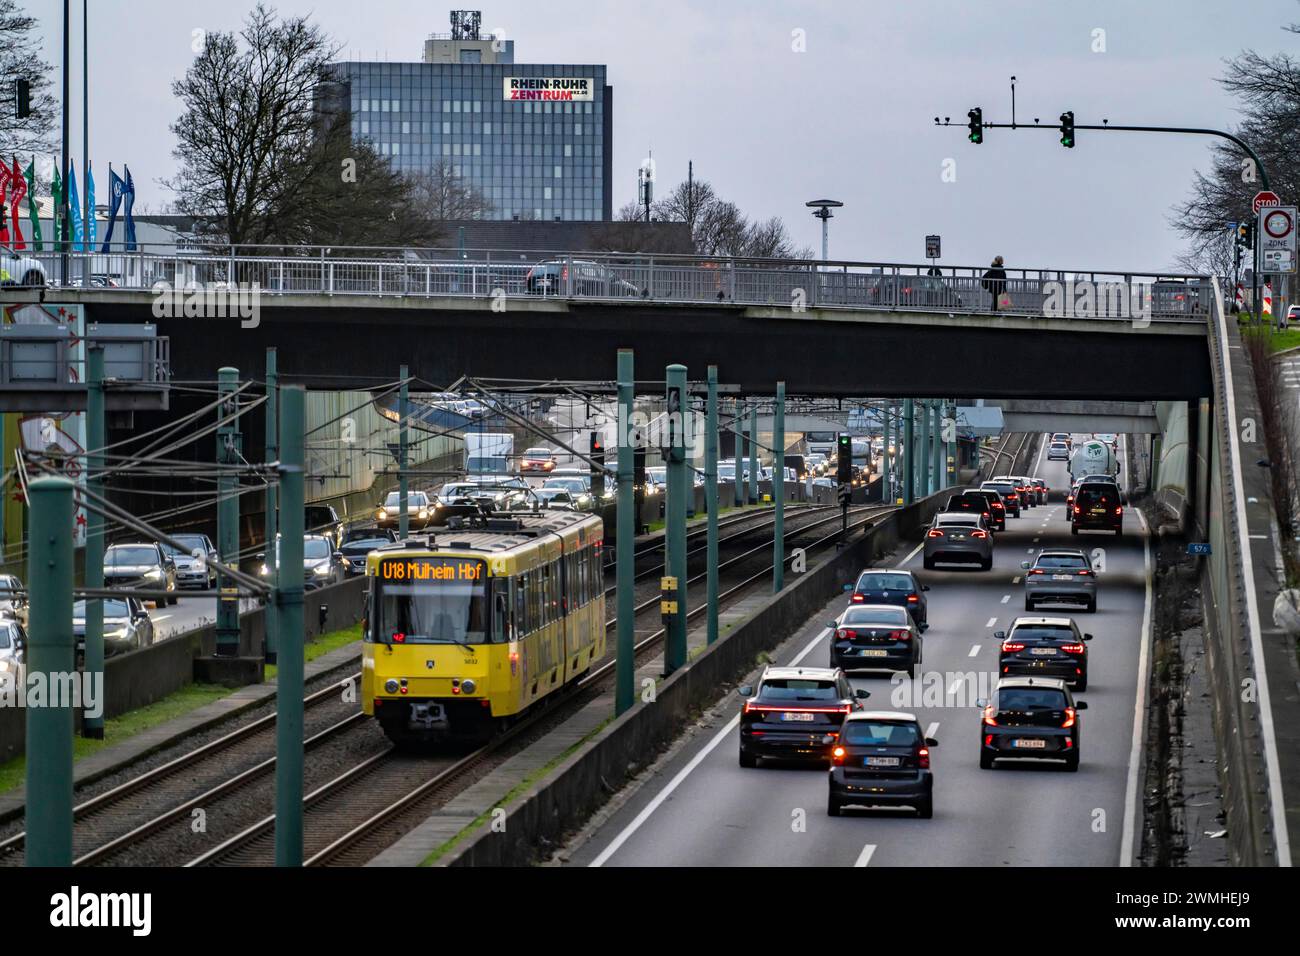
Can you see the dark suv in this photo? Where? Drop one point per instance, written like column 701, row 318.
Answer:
column 577, row 277
column 986, row 503
column 1033, row 717
column 795, row 713
column 881, row 758
column 1097, row 507
column 892, row 587
column 1007, row 492
column 1045, row 647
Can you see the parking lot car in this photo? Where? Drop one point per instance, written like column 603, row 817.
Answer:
column 1045, row 647
column 13, row 644
column 20, row 270
column 577, row 277
column 882, row 758
column 795, row 713
column 875, row 637
column 194, row 565
column 359, row 542
column 537, row 459
column 1058, row 451
column 141, row 564
column 127, row 625
column 892, row 587
column 1060, row 576
column 419, row 512
column 957, row 536
column 1007, row 492
column 1034, row 717
column 1097, row 507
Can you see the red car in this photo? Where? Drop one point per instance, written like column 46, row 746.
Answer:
column 537, row 459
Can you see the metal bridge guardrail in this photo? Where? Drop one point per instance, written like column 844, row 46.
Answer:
column 42, row 357
column 778, row 283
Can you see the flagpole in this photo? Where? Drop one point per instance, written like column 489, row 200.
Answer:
column 86, row 211
column 64, row 212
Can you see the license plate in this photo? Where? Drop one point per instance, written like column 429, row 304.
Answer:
column 1097, row 511
column 1044, row 651
column 873, row 652
column 958, row 537
column 794, row 715
column 880, row 761
column 1029, row 743
column 1062, row 577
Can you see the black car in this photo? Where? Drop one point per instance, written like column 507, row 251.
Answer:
column 127, row 626
column 876, row 637
column 1030, row 717
column 1045, row 647
column 795, row 713
column 892, row 587
column 577, row 277
column 359, row 542
column 881, row 759
column 996, row 507
column 323, row 520
column 140, row 564
column 1008, row 493
column 1097, row 507
column 980, row 503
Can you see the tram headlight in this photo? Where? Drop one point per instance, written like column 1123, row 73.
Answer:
column 467, row 686
column 390, row 686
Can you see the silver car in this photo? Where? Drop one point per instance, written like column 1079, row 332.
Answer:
column 1060, row 576
column 13, row 640
column 958, row 536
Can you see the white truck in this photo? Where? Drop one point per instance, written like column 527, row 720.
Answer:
column 488, row 453
column 1093, row 457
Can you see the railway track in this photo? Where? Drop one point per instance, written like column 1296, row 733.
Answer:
column 365, row 791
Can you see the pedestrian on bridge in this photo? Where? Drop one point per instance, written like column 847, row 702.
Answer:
column 995, row 281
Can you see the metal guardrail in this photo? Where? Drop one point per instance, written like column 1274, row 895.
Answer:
column 780, row 283
column 41, row 357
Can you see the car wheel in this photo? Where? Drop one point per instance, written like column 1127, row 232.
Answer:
column 925, row 809
column 747, row 759
column 1082, row 684
column 911, row 671
column 1092, row 606
column 1074, row 529
column 1029, row 605
column 832, row 806
column 1072, row 762
column 986, row 564
column 1119, row 532
column 986, row 760
column 928, row 563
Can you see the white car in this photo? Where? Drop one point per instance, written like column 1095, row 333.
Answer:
column 20, row 270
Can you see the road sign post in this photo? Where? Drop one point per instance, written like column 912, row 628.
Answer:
column 753, row 453
column 905, row 464
column 403, row 410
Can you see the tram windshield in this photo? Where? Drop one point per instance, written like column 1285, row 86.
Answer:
column 431, row 600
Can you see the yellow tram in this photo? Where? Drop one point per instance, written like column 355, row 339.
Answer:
column 465, row 633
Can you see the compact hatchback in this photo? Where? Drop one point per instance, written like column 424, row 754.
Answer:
column 892, row 587
column 986, row 504
column 875, row 637
column 1030, row 717
column 1060, row 576
column 881, row 759
column 958, row 537
column 1045, row 647
column 795, row 713
column 1058, row 451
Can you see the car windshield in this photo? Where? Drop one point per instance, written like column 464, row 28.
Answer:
column 315, row 548
column 113, row 607
column 1061, row 561
column 961, row 520
column 884, row 582
column 126, row 556
column 315, row 517
column 881, row 733
column 7, row 636
column 537, row 453
column 875, row 615
column 1093, row 496
column 431, row 601
column 368, row 542
column 574, row 485
column 798, row 688
column 1043, row 632
column 456, row 490
column 1001, row 489
column 192, row 543
column 1030, row 698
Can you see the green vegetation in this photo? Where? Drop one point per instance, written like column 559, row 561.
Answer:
column 123, row 727
column 322, row 645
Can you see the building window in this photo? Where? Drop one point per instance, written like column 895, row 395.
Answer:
column 365, row 127
column 397, row 106
column 455, row 106
column 397, row 149
column 446, row 106
column 568, row 149
column 385, row 105
column 446, row 127
column 478, row 106
column 487, row 127
column 546, row 192
column 559, row 172
column 406, row 126
column 577, row 129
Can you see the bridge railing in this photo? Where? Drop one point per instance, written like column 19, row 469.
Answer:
column 779, row 283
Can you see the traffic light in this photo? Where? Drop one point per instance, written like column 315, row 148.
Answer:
column 844, row 460
column 1067, row 129
column 597, row 467
column 976, row 126
column 24, row 99
column 1246, row 234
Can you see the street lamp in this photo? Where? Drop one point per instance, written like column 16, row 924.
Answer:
column 822, row 210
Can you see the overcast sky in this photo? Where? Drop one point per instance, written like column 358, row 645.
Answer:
column 849, row 118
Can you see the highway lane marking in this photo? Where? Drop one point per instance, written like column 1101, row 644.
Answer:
column 1016, row 579
column 974, row 649
column 914, row 553
column 932, row 730
column 1006, row 598
column 1129, row 831
column 686, row 771
column 865, row 856
column 992, row 621
column 161, row 617
column 1030, row 550
column 1036, row 540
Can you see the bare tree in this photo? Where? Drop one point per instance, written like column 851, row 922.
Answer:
column 253, row 110
column 719, row 228
column 686, row 202
column 441, row 195
column 19, row 59
column 630, row 212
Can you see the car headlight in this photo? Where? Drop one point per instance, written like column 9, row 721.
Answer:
column 264, row 571
column 322, row 569
column 116, row 635
column 380, row 514
column 153, row 574
column 423, row 513
column 5, row 666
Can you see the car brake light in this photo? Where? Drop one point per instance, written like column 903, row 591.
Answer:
column 988, row 740
column 1076, row 509
column 1009, row 647
column 901, row 635
column 1013, row 496
column 1036, row 571
column 838, row 755
column 989, row 719
column 1086, row 572
column 999, row 506
column 923, row 758
column 912, row 599
column 1119, row 511
column 935, row 533
column 844, row 634
column 979, row 533
column 1069, row 717
column 858, row 598
column 1072, row 648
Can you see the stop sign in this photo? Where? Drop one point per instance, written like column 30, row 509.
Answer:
column 1264, row 198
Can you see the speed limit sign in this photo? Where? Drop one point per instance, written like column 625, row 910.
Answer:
column 1276, row 244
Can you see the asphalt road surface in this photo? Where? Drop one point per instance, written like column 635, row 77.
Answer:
column 701, row 808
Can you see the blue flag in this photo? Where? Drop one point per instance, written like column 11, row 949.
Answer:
column 129, row 195
column 90, row 208
column 74, row 201
column 116, row 188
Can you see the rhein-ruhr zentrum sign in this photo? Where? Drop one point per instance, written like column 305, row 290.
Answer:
column 557, row 88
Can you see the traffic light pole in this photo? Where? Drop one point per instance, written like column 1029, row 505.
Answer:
column 403, row 410
column 778, row 490
column 711, row 503
column 625, row 667
column 907, row 465
column 93, row 727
